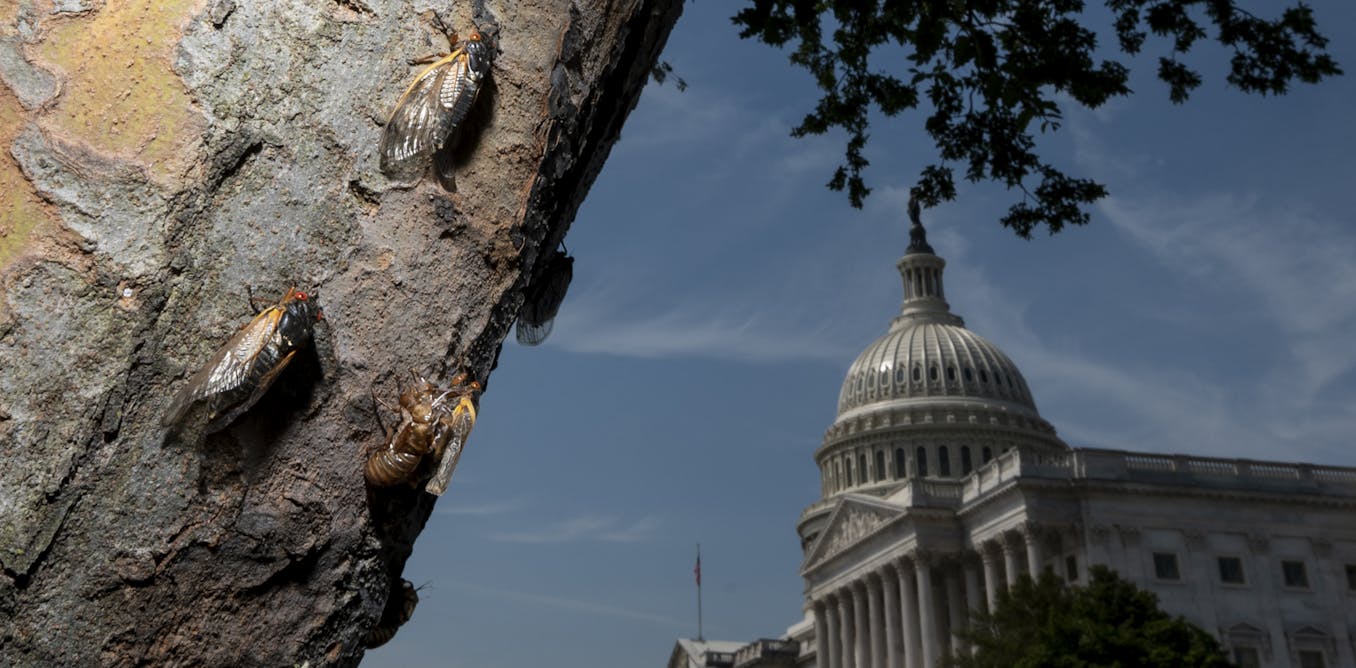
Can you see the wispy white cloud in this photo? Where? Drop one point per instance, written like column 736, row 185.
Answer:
column 590, row 607
column 482, row 509
column 1282, row 408
column 1300, row 270
column 592, row 325
column 585, row 528
column 1150, row 398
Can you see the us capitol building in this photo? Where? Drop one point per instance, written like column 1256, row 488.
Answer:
column 941, row 483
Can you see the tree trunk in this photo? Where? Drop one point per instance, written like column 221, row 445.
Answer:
column 162, row 157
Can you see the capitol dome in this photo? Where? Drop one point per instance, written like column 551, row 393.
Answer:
column 921, row 360
column 929, row 400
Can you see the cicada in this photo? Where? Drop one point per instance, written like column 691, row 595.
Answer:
column 435, row 422
column 432, row 107
column 239, row 372
column 399, row 609
column 542, row 298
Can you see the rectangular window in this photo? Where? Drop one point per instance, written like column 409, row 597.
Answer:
column 1165, row 566
column 1231, row 570
column 1311, row 659
column 1351, row 577
column 1246, row 657
column 1295, row 575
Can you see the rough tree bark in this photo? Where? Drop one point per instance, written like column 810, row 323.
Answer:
column 161, row 156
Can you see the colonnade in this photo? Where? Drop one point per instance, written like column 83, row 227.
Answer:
column 909, row 612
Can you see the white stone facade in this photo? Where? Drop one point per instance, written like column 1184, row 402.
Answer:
column 889, row 578
column 941, row 484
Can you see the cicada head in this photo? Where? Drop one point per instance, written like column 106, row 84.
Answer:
column 300, row 313
column 478, row 53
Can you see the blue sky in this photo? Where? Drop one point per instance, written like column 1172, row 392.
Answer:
column 721, row 292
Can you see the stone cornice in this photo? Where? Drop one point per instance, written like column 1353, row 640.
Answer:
column 1298, row 497
column 1001, row 431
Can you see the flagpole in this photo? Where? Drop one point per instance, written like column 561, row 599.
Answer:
column 698, row 572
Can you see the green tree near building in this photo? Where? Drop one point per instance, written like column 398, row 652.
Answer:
column 1107, row 623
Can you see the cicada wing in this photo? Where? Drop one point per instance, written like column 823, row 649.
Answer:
column 458, row 427
column 228, row 368
column 228, row 414
column 542, row 300
column 417, row 126
column 531, row 335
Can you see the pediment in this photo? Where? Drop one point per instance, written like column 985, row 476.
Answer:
column 1310, row 632
column 1245, row 629
column 853, row 519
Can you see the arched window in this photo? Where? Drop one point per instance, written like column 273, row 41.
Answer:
column 899, row 375
column 838, row 475
column 920, row 457
column 932, row 373
column 861, row 469
column 847, row 468
column 880, row 466
column 965, row 460
column 988, row 454
column 899, row 463
column 943, row 462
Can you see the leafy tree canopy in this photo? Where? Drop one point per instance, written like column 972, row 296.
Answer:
column 992, row 70
column 1109, row 622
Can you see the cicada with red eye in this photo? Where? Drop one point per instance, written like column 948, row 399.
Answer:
column 241, row 371
column 433, row 106
column 542, row 298
column 434, row 424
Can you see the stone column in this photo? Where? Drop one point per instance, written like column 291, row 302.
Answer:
column 927, row 606
column 846, row 629
column 989, row 555
column 1035, row 559
column 1012, row 563
column 894, row 630
column 830, row 651
column 908, row 608
column 973, row 594
column 955, row 606
column 877, row 617
column 861, row 649
column 821, row 613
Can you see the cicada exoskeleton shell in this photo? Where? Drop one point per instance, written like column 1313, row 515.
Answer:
column 434, row 421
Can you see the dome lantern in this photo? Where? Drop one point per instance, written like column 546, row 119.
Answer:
column 921, row 271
